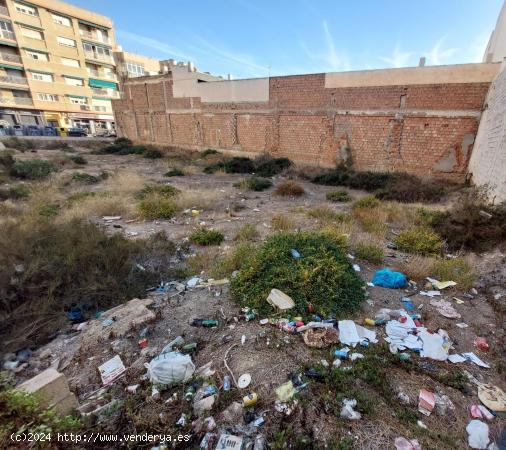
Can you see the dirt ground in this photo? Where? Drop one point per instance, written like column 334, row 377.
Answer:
column 270, row 355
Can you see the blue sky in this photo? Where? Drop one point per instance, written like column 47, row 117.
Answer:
column 252, row 38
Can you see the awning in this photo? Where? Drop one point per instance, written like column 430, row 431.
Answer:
column 102, row 98
column 34, row 50
column 73, row 77
column 26, row 25
column 102, row 84
column 8, row 66
column 10, row 44
column 39, row 71
column 94, row 43
column 94, row 25
column 76, row 96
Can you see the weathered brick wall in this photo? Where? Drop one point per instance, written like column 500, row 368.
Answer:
column 488, row 162
column 426, row 129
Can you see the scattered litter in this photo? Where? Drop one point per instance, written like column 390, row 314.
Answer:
column 401, row 443
column 192, row 282
column 462, row 325
column 286, row 391
column 111, row 370
column 342, row 353
column 407, row 303
column 458, row 301
column 426, row 402
column 347, row 410
column 110, row 218
column 132, row 389
column 389, row 279
column 443, row 405
column 480, row 412
column 295, row 254
column 440, row 285
column 264, row 321
column 370, row 284
column 249, row 400
column 477, row 434
column 421, row 424
column 170, row 368
column 481, row 344
column 492, row 397
column 355, row 356
column 356, row 268
column 336, row 363
column 456, row 358
column 403, row 398
column 229, row 442
column 446, row 309
column 430, row 293
column 435, row 346
column 470, row 356
column 280, row 300
column 205, row 371
column 244, row 381
column 321, row 337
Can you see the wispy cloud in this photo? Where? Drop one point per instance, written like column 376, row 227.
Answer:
column 331, row 58
column 154, row 44
column 437, row 55
column 398, row 58
column 477, row 49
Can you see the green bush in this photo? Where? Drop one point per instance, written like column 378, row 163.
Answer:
column 369, row 201
column 78, row 159
column 15, row 192
column 325, row 214
column 266, row 166
column 133, row 150
column 33, row 169
column 212, row 168
column 254, row 184
column 237, row 259
column 85, row 178
column 323, row 276
column 175, row 172
column 338, row 196
column 156, row 206
column 208, row 152
column 454, row 269
column 419, row 241
column 152, row 153
column 205, row 236
column 163, row 190
column 369, row 251
column 239, row 164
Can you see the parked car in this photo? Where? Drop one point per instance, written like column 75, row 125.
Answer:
column 77, row 132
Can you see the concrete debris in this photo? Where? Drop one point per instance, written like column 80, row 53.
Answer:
column 53, row 389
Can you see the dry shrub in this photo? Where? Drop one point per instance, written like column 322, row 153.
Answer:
column 417, row 267
column 96, row 206
column 369, row 250
column 203, row 260
column 248, row 232
column 156, row 206
column 289, row 188
column 372, row 220
column 325, row 214
column 281, row 222
column 200, row 198
column 124, row 182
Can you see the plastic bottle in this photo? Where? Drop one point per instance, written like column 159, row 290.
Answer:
column 226, row 383
column 189, row 394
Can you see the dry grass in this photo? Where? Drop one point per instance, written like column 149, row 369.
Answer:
column 200, row 198
column 104, row 204
column 289, row 188
column 203, row 260
column 281, row 222
column 372, row 220
column 124, row 182
column 247, row 232
column 417, row 267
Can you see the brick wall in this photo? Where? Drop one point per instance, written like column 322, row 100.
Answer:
column 427, row 129
column 488, row 162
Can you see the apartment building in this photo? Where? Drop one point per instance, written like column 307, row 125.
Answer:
column 57, row 66
column 131, row 65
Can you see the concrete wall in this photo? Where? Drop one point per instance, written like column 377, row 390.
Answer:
column 423, row 124
column 488, row 162
column 496, row 48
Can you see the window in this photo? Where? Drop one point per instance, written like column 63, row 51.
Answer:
column 6, row 30
column 36, row 55
column 47, row 97
column 60, row 20
column 78, row 100
column 134, row 69
column 25, row 9
column 42, row 76
column 73, row 81
column 66, row 42
column 70, row 62
column 31, row 33
column 100, row 108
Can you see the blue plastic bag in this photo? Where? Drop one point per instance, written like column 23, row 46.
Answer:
column 389, row 279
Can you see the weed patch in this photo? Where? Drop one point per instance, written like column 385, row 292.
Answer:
column 205, row 236
column 208, row 152
column 156, row 206
column 281, row 222
column 254, row 184
column 248, row 232
column 175, row 172
column 289, row 188
column 325, row 214
column 369, row 201
column 338, row 196
column 369, row 251
column 85, row 178
column 163, row 190
column 266, row 166
column 322, row 276
column 78, row 159
column 152, row 153
column 455, row 269
column 34, row 169
column 15, row 192
column 19, row 144
column 419, row 241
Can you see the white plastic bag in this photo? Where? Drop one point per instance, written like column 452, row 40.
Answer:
column 170, row 368
column 477, row 434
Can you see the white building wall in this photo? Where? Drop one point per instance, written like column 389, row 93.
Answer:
column 488, row 161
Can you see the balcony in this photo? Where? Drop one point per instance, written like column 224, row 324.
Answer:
column 105, row 93
column 4, row 11
column 8, row 35
column 94, row 36
column 25, row 101
column 13, row 80
column 9, row 57
column 98, row 57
